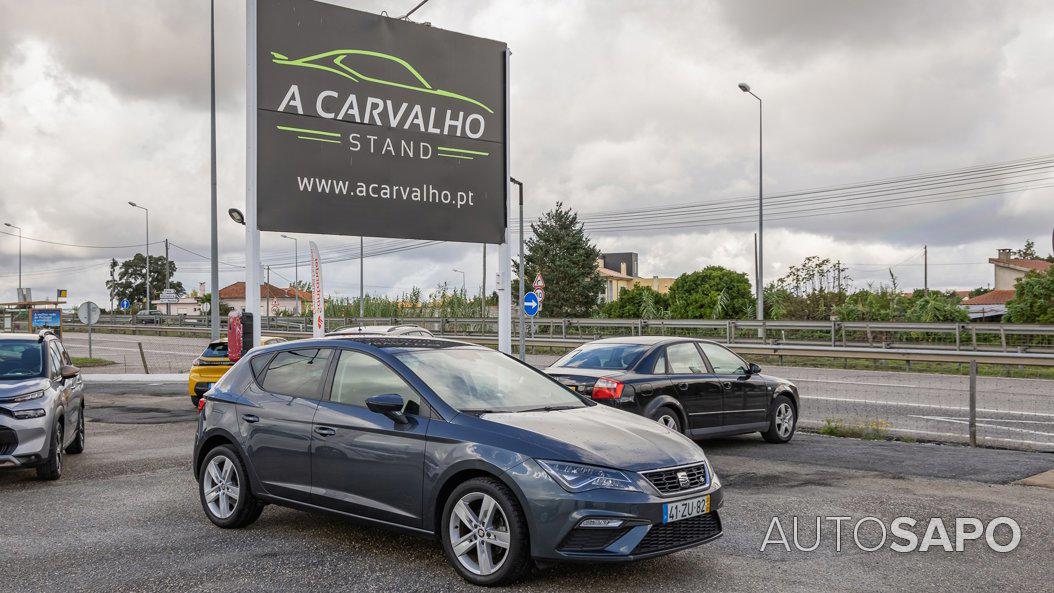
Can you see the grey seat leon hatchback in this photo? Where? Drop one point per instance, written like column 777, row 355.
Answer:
column 500, row 462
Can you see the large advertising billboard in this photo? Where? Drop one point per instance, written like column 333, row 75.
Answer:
column 374, row 126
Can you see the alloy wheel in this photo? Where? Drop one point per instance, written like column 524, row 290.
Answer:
column 784, row 420
column 669, row 422
column 221, row 488
column 479, row 533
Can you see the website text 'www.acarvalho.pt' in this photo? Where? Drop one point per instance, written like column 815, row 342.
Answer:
column 424, row 193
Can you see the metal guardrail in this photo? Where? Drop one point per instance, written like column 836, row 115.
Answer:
column 1001, row 337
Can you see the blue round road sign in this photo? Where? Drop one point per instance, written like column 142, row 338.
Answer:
column 531, row 304
column 124, row 303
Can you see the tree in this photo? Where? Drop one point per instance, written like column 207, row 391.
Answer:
column 1028, row 251
column 132, row 272
column 711, row 293
column 1034, row 300
column 562, row 252
column 936, row 307
column 639, row 302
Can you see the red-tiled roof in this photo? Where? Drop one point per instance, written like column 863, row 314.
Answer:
column 992, row 297
column 237, row 291
column 1038, row 265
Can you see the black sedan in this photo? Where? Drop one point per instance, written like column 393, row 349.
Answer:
column 696, row 387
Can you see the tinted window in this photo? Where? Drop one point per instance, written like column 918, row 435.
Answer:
column 658, row 364
column 297, row 372
column 360, row 376
column 724, row 361
column 258, row 363
column 603, row 356
column 215, row 350
column 685, row 360
column 54, row 360
column 20, row 359
column 480, row 379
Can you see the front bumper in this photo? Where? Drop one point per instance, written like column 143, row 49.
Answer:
column 23, row 443
column 554, row 515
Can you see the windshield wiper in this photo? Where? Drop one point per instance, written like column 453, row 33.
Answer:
column 478, row 411
column 550, row 409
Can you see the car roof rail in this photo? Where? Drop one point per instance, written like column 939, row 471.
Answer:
column 45, row 333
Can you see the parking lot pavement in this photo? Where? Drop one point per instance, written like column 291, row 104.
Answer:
column 125, row 516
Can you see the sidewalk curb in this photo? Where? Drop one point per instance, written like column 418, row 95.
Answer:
column 135, row 378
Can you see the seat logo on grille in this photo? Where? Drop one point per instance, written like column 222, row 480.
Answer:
column 682, row 479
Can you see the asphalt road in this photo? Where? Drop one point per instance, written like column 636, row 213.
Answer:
column 126, row 517
column 1015, row 413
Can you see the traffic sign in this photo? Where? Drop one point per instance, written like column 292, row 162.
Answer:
column 125, row 304
column 206, row 306
column 538, row 282
column 540, row 293
column 531, row 304
column 88, row 313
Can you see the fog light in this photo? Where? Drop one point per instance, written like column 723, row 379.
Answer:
column 27, row 414
column 602, row 523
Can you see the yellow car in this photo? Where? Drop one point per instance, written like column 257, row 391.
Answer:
column 212, row 364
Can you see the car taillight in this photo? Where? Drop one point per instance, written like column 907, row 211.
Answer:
column 201, row 405
column 607, row 389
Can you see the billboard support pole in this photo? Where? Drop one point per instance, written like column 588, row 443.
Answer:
column 504, row 259
column 252, row 232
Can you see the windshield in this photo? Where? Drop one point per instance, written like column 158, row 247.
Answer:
column 482, row 380
column 603, row 356
column 20, row 359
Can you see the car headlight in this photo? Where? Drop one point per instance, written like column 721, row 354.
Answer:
column 24, row 397
column 575, row 477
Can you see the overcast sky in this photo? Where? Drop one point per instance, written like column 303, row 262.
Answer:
column 615, row 105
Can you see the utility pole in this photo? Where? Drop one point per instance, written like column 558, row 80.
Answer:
column 268, row 301
column 761, row 218
column 168, row 279
column 296, row 272
column 362, row 276
column 147, row 281
column 925, row 270
column 519, row 308
column 214, row 310
column 483, row 286
column 8, row 224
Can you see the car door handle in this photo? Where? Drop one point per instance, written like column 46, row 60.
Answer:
column 682, row 386
column 250, row 418
column 324, row 431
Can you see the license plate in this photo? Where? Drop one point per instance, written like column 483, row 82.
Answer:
column 685, row 509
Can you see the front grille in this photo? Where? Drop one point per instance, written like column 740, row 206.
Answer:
column 584, row 539
column 668, row 481
column 668, row 536
column 8, row 440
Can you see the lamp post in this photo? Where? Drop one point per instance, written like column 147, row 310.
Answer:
column 519, row 307
column 147, row 211
column 761, row 219
column 8, row 224
column 214, row 267
column 296, row 271
column 463, row 288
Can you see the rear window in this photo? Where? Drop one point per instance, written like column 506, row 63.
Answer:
column 215, row 350
column 603, row 356
column 297, row 373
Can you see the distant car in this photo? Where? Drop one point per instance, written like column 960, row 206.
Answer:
column 149, row 316
column 695, row 387
column 382, row 330
column 212, row 364
column 41, row 404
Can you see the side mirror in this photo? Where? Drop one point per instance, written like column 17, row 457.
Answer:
column 69, row 371
column 389, row 404
column 753, row 369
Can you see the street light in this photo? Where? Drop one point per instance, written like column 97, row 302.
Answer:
column 296, row 271
column 463, row 289
column 519, row 307
column 236, row 215
column 8, row 224
column 761, row 234
column 147, row 211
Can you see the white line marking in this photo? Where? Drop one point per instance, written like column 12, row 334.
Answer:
column 985, row 425
column 917, row 405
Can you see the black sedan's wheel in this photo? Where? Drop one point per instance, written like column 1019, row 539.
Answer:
column 782, row 421
column 224, row 490
column 667, row 417
column 484, row 533
column 52, row 467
